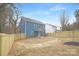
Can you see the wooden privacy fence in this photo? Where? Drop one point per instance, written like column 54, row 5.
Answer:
column 66, row 35
column 6, row 41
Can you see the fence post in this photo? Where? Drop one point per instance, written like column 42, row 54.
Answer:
column 0, row 45
column 73, row 36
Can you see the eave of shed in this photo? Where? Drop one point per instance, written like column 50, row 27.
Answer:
column 31, row 20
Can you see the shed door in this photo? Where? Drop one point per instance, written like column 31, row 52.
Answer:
column 35, row 33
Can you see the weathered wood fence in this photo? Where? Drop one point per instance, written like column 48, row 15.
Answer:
column 6, row 41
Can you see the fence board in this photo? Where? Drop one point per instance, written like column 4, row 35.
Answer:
column 6, row 42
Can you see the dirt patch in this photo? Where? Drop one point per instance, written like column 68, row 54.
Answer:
column 72, row 43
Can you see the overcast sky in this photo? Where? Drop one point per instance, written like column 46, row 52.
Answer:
column 48, row 12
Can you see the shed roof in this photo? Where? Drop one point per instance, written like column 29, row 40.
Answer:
column 31, row 20
column 51, row 25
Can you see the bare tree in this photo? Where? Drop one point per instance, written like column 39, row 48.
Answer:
column 15, row 19
column 77, row 15
column 64, row 21
column 76, row 24
column 5, row 10
column 9, row 15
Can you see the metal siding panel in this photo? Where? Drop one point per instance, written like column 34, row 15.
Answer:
column 31, row 27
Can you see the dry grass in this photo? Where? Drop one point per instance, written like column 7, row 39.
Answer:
column 51, row 46
column 47, row 46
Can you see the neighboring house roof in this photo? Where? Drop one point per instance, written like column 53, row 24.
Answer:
column 51, row 25
column 30, row 20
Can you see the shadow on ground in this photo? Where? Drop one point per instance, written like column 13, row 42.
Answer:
column 72, row 43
